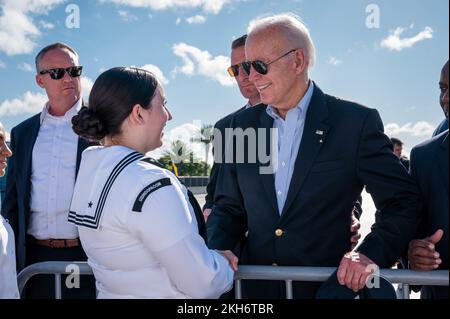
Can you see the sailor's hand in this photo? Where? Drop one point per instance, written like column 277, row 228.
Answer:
column 232, row 259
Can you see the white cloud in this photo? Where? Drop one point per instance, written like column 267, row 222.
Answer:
column 25, row 67
column 209, row 6
column 29, row 103
column 419, row 129
column 126, row 16
column 334, row 61
column 2, row 65
column 198, row 19
column 394, row 42
column 157, row 72
column 46, row 25
column 198, row 62
column 86, row 87
column 178, row 21
column 18, row 33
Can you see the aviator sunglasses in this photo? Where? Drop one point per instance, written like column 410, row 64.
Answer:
column 233, row 70
column 260, row 66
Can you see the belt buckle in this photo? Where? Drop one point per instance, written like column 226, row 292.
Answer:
column 55, row 243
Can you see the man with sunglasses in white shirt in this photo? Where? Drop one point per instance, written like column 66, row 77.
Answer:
column 42, row 172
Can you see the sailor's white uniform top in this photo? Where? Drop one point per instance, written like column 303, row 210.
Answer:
column 8, row 275
column 139, row 231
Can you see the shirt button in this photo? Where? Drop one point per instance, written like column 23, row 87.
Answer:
column 275, row 264
column 283, row 164
column 279, row 233
column 279, row 193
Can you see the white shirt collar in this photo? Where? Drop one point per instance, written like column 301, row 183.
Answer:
column 302, row 106
column 66, row 117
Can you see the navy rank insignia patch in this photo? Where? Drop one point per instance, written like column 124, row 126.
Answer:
column 140, row 200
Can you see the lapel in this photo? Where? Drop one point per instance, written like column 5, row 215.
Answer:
column 443, row 160
column 32, row 132
column 268, row 180
column 314, row 135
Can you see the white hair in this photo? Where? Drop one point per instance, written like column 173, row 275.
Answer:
column 294, row 29
column 2, row 129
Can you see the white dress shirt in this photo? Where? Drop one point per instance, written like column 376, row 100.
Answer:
column 151, row 252
column 8, row 275
column 53, row 176
column 290, row 133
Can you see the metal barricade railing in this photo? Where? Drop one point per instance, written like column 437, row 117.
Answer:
column 321, row 274
column 286, row 274
column 56, row 268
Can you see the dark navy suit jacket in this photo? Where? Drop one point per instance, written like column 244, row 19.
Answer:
column 221, row 125
column 343, row 148
column 16, row 204
column 429, row 167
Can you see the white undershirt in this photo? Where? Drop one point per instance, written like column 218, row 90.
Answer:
column 53, row 176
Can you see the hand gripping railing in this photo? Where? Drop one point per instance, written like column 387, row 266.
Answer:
column 286, row 274
column 320, row 274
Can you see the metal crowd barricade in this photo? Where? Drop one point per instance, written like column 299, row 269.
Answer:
column 286, row 274
column 321, row 274
column 56, row 268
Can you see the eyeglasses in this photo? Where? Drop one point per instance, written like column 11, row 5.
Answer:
column 233, row 70
column 58, row 74
column 260, row 66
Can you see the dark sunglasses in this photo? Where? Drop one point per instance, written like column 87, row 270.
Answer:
column 58, row 74
column 260, row 66
column 233, row 70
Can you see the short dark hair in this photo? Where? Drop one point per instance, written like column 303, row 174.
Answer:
column 111, row 101
column 239, row 42
column 54, row 46
column 396, row 141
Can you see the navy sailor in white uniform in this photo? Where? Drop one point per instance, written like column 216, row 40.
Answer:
column 134, row 219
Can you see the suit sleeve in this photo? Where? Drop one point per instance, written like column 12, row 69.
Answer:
column 421, row 232
column 394, row 192
column 10, row 204
column 211, row 187
column 227, row 223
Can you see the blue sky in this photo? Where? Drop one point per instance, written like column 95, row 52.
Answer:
column 188, row 41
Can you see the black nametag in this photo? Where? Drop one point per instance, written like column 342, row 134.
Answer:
column 137, row 207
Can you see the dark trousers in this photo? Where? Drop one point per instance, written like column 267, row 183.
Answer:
column 434, row 292
column 43, row 286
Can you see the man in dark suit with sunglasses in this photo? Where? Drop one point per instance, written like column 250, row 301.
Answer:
column 42, row 175
column 296, row 209
column 248, row 91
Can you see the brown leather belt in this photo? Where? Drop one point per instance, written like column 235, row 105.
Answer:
column 58, row 243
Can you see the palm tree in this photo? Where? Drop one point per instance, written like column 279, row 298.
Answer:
column 206, row 136
column 178, row 152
